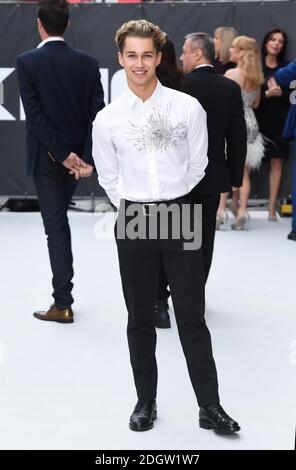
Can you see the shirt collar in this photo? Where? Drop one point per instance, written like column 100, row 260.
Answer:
column 154, row 98
column 203, row 65
column 51, row 38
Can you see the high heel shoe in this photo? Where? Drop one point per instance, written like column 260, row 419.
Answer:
column 241, row 222
column 221, row 220
column 272, row 218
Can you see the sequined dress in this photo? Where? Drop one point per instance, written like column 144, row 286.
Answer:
column 256, row 141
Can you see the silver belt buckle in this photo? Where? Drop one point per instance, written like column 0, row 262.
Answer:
column 144, row 209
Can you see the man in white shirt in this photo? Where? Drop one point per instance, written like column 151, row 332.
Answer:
column 150, row 150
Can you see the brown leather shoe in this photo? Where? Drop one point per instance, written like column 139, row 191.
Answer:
column 55, row 314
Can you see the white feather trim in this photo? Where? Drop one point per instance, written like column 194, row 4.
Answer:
column 255, row 152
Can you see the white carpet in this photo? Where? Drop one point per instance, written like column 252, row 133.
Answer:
column 71, row 386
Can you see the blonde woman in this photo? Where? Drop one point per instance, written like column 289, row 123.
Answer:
column 248, row 74
column 223, row 38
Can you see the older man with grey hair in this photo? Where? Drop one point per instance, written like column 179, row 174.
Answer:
column 198, row 49
column 222, row 101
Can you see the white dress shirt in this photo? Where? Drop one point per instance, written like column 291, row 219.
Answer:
column 50, row 39
column 203, row 65
column 150, row 151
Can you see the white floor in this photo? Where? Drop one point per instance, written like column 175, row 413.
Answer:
column 71, row 387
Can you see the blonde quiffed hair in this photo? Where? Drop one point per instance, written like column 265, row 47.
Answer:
column 249, row 59
column 141, row 29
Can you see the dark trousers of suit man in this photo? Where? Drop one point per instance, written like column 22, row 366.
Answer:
column 294, row 193
column 210, row 204
column 55, row 191
column 140, row 262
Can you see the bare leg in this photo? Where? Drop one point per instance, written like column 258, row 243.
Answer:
column 234, row 202
column 221, row 217
column 275, row 175
column 222, row 205
column 244, row 192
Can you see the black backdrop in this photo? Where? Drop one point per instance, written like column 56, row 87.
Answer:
column 92, row 29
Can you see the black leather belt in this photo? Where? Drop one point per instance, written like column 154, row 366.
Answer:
column 151, row 208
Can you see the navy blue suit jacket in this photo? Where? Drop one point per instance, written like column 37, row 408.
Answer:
column 284, row 77
column 61, row 92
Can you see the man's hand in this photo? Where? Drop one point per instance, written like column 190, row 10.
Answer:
column 87, row 171
column 74, row 164
column 84, row 171
column 72, row 161
column 234, row 189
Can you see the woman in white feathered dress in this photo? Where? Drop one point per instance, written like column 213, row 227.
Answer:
column 248, row 74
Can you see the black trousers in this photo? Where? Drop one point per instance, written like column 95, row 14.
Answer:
column 140, row 262
column 55, row 191
column 210, row 204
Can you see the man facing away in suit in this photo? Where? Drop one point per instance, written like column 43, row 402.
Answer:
column 222, row 101
column 285, row 77
column 61, row 92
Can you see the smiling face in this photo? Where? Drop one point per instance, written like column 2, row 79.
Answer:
column 275, row 44
column 139, row 58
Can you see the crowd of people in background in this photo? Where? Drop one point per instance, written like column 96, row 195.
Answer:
column 266, row 107
column 174, row 137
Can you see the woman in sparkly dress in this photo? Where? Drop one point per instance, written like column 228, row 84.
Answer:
column 248, row 74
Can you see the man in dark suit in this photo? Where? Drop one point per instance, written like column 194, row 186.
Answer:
column 286, row 78
column 222, row 101
column 61, row 92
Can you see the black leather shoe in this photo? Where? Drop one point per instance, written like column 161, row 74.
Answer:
column 144, row 414
column 292, row 236
column 161, row 315
column 214, row 417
